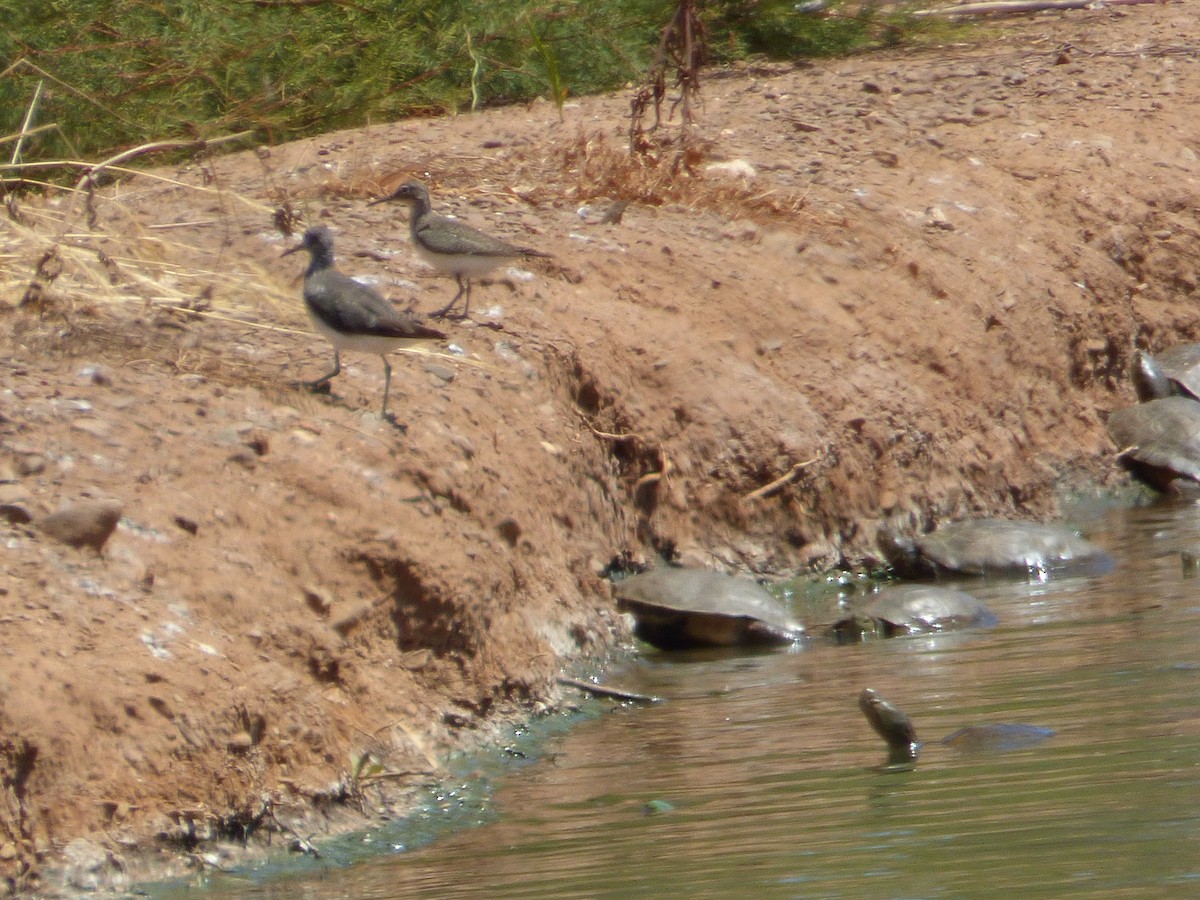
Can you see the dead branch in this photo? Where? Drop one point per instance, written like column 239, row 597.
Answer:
column 787, row 478
column 600, row 690
column 609, row 436
column 1006, row 7
column 682, row 47
column 89, row 177
column 28, row 123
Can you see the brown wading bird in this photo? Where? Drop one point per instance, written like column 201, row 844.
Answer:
column 450, row 246
column 350, row 315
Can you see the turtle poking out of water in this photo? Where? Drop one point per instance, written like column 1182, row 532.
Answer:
column 675, row 608
column 913, row 609
column 997, row 547
column 893, row 725
column 1159, row 441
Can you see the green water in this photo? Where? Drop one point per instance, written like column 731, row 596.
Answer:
column 772, row 775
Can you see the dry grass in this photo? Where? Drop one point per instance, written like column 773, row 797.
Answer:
column 52, row 263
column 85, row 272
column 598, row 169
column 117, row 271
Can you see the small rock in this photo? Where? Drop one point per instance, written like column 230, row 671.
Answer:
column 89, row 867
column 87, row 523
column 416, row 660
column 1190, row 560
column 344, row 622
column 318, row 599
column 94, row 427
column 15, row 513
column 444, row 374
column 188, row 525
column 739, row 168
column 245, row 457
column 740, row 230
column 937, row 219
column 510, row 530
column 258, row 441
column 30, row 464
column 95, row 375
column 240, row 742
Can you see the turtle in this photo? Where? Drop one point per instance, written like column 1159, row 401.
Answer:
column 1159, row 440
column 893, row 725
column 1001, row 547
column 1174, row 372
column 913, row 609
column 677, row 608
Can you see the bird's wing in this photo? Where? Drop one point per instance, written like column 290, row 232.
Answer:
column 442, row 235
column 353, row 308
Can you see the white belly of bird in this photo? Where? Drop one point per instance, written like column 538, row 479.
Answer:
column 364, row 343
column 464, row 264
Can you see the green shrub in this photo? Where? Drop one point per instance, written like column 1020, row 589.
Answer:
column 117, row 74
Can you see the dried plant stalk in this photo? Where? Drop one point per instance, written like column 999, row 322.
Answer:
column 683, row 49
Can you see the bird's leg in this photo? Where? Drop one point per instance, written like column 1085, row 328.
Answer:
column 467, row 301
column 442, row 313
column 337, row 368
column 387, row 385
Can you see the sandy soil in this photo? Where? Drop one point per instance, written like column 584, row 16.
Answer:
column 909, row 292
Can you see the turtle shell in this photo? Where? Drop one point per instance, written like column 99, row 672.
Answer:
column 1159, row 441
column 676, row 608
column 915, row 609
column 1174, row 372
column 998, row 547
column 999, row 737
column 893, row 725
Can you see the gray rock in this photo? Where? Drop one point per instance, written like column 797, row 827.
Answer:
column 87, row 523
column 89, row 867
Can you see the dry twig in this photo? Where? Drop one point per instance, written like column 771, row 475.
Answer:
column 600, row 690
column 785, row 479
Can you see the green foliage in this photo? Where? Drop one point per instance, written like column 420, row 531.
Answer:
column 773, row 28
column 118, row 74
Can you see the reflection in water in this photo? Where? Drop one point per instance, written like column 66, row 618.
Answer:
column 766, row 777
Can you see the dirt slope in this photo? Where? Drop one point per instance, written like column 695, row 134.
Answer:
column 920, row 275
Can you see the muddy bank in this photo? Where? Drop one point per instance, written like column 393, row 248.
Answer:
column 915, row 295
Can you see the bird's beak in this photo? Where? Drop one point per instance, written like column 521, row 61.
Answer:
column 381, row 200
column 295, row 249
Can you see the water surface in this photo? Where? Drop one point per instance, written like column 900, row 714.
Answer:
column 766, row 781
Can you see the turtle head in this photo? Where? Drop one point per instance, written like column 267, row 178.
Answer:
column 892, row 724
column 899, row 549
column 1149, row 380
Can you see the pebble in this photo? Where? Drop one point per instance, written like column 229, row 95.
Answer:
column 30, row 464
column 738, row 168
column 89, row 867
column 87, row 523
column 937, row 219
column 15, row 513
column 444, row 374
column 240, row 742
